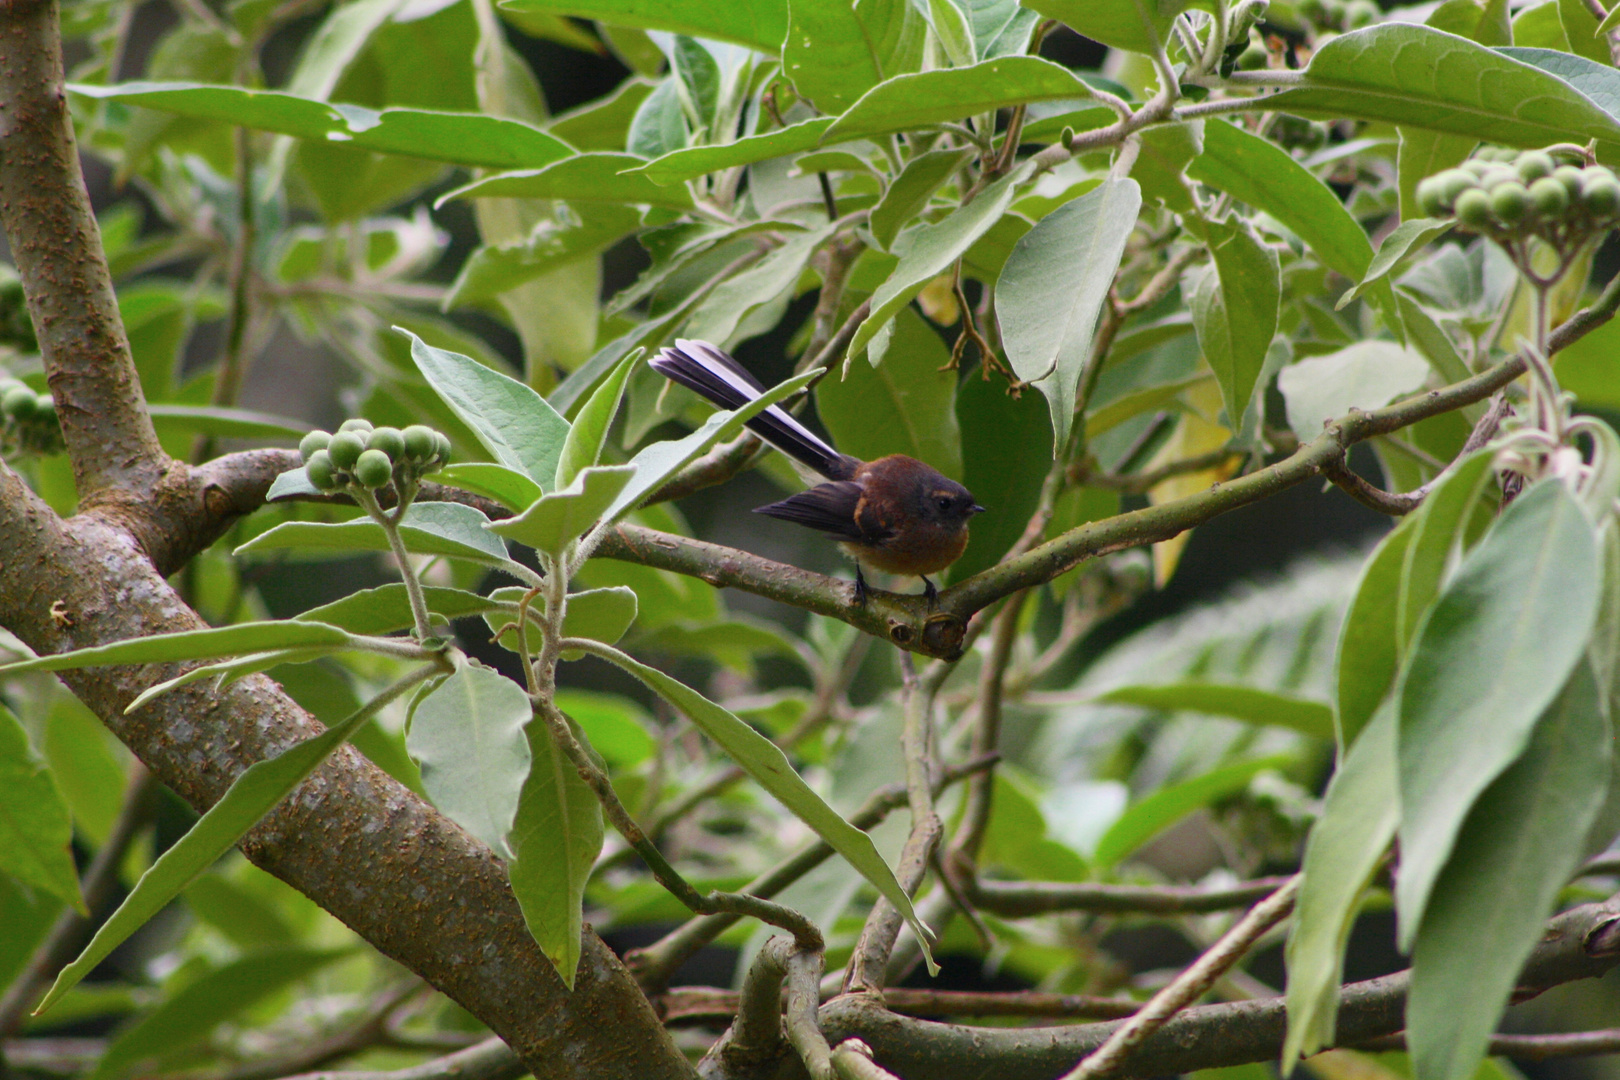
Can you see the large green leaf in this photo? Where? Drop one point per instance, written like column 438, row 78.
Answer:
column 1136, row 25
column 467, row 735
column 759, row 24
column 1262, row 174
column 1502, row 638
column 1052, row 289
column 1523, row 838
column 1420, row 77
column 514, row 423
column 909, row 102
column 1245, row 703
column 1359, row 816
column 694, row 161
column 1235, row 307
column 252, row 795
column 595, row 177
column 1365, row 375
column 908, row 193
column 762, row 760
column 555, row 839
column 205, row 644
column 905, row 406
column 36, row 833
column 1598, row 81
column 471, row 139
column 557, row 520
column 1144, row 820
column 428, row 528
column 834, row 53
column 933, row 248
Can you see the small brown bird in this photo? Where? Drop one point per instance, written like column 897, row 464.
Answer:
column 894, row 514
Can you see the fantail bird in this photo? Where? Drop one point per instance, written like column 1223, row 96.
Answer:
column 894, row 514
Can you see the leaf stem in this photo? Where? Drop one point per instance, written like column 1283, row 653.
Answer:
column 389, row 521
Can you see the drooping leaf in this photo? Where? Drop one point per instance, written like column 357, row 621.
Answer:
column 557, row 520
column 1366, row 375
column 1052, row 289
column 1495, row 650
column 933, row 248
column 909, row 192
column 1246, row 703
column 36, row 833
column 909, row 102
column 907, row 405
column 1235, row 308
column 1409, row 237
column 1006, row 446
column 1145, row 819
column 512, row 489
column 514, row 423
column 769, row 767
column 468, row 736
column 691, row 162
column 1420, row 77
column 428, row 528
column 595, row 177
column 1439, row 531
column 1369, row 655
column 251, row 795
column 555, row 839
column 1359, row 817
column 834, row 53
column 205, row 644
column 759, row 24
column 1519, row 844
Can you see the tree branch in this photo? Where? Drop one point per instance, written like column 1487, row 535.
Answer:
column 56, row 244
column 1018, row 899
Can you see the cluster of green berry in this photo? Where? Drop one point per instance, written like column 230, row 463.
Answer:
column 29, row 419
column 372, row 457
column 1507, row 195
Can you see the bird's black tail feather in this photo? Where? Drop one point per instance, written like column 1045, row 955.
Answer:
column 710, row 373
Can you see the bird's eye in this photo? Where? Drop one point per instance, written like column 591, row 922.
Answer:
column 944, row 504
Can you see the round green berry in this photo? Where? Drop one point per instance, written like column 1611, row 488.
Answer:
column 1549, row 196
column 45, row 409
column 1572, row 178
column 420, row 443
column 389, row 440
column 1510, row 202
column 358, row 423
column 1430, row 198
column 1474, row 208
column 441, row 445
column 1601, row 196
column 320, row 472
column 345, row 449
column 374, row 470
column 1451, row 184
column 315, row 440
column 1532, row 165
column 19, row 403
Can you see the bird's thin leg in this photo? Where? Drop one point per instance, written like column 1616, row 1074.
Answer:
column 860, row 586
column 930, row 593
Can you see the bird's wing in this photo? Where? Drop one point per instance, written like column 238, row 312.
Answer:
column 828, row 507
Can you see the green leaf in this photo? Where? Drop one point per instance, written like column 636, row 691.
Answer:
column 1134, row 25
column 1502, row 638
column 1440, row 528
column 589, row 433
column 223, row 422
column 36, row 832
column 1235, row 308
column 512, row 421
column 470, row 139
column 616, row 725
column 1429, row 338
column 599, row 614
column 558, row 519
column 1421, row 154
column 1608, row 24
column 661, row 460
column 1006, row 454
column 768, row 281
column 910, row 102
column 512, row 489
column 1598, row 81
column 1266, row 177
column 699, row 77
column 1145, row 819
column 833, row 53
column 1052, row 289
column 759, row 24
column 467, row 736
column 428, row 528
column 555, row 839
column 1523, row 838
column 950, row 28
column 905, row 406
column 768, row 766
column 1245, row 703
column 695, row 161
column 1484, row 21
column 251, row 795
column 387, row 608
column 203, row 644
column 189, row 1015
column 494, row 269
column 229, row 671
column 1408, row 238
column 933, row 249
column 1366, row 375
column 906, row 196
column 596, row 177
column 603, row 124
column 1359, row 816
column 1000, row 27
column 1369, row 655
column 1419, row 77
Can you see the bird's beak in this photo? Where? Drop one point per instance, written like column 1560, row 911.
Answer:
column 977, row 509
